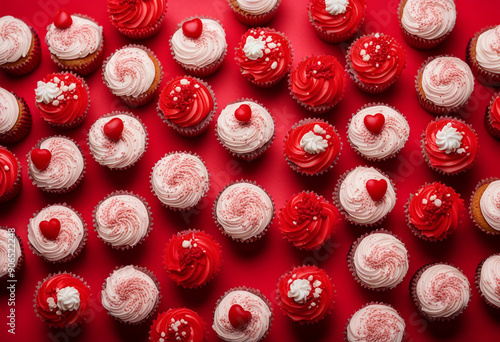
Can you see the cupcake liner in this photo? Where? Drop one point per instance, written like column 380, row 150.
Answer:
column 20, row 261
column 214, row 213
column 471, row 214
column 29, row 63
column 146, row 97
column 477, row 281
column 16, row 187
column 253, row 19
column 485, row 77
column 249, row 156
column 141, row 33
column 301, row 123
column 199, row 128
column 203, row 323
column 22, row 127
column 128, row 193
column 494, row 132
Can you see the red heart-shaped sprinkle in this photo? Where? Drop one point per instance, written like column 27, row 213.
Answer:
column 63, row 19
column 239, row 317
column 50, row 229
column 374, row 123
column 113, row 128
column 192, row 28
column 243, row 113
column 40, row 158
column 376, row 188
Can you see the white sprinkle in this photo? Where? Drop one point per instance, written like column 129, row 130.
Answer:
column 366, row 45
column 274, row 65
column 267, row 51
column 55, row 103
column 294, row 222
column 377, row 35
column 57, row 80
column 6, row 168
column 313, row 304
column 72, row 86
column 60, row 97
column 319, row 62
column 366, row 58
column 186, row 244
column 271, row 45
column 424, row 201
column 310, row 278
column 196, row 86
column 377, row 47
column 316, row 283
column 75, row 97
column 267, row 59
column 177, row 89
column 162, row 334
column 438, row 203
column 362, row 52
column 175, row 98
column 433, row 197
column 184, row 82
column 315, row 218
column 377, row 65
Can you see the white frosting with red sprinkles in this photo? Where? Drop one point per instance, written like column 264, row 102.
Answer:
column 9, row 110
column 15, row 39
column 488, row 50
column 256, row 7
column 429, row 19
column 376, row 322
column 490, row 205
column 5, row 249
column 489, row 280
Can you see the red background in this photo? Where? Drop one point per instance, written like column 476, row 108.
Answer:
column 260, row 264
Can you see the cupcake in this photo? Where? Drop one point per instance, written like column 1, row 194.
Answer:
column 488, row 280
column 56, row 164
column 377, row 132
column 130, row 294
column 192, row 258
column 180, row 180
column 440, row 291
column 187, row 104
column 11, row 253
column 378, row 260
column 243, row 211
column 306, row 294
column 10, row 175
column 254, row 12
column 183, row 325
column 318, row 83
column 199, row 46
column 242, row 315
column 139, row 19
column 63, row 99
column 245, row 128
column 336, row 21
column 118, row 140
column 375, row 322
column 426, row 23
column 434, row 211
column 75, row 42
column 312, row 146
column 264, row 56
column 365, row 196
column 375, row 62
column 15, row 117
column 123, row 220
column 308, row 220
column 492, row 117
column 444, row 84
column 449, row 145
column 57, row 233
column 133, row 73
column 483, row 55
column 484, row 208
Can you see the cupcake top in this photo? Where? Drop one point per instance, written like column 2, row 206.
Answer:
column 9, row 171
column 8, row 242
column 62, row 300
column 206, row 49
column 488, row 50
column 136, row 15
column 306, row 294
column 130, row 71
column 129, row 294
column 380, row 260
column 256, row 7
column 450, row 145
column 494, row 112
column 15, row 39
column 64, row 166
column 490, row 205
column 337, row 16
column 442, row 291
column 192, row 258
column 117, row 140
column 178, row 325
column 242, row 316
column 447, row 82
column 429, row 19
column 378, row 131
column 81, row 38
column 180, row 180
column 244, row 210
column 264, row 55
column 489, row 280
column 366, row 195
column 308, row 220
column 186, row 101
column 56, row 232
column 122, row 220
column 435, row 210
column 375, row 322
column 9, row 110
column 242, row 134
column 318, row 81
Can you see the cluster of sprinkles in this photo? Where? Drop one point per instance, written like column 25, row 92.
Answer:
column 189, row 251
column 56, row 91
column 495, row 44
column 245, row 202
column 438, row 202
column 378, row 325
column 65, row 291
column 309, row 208
column 429, row 13
column 445, row 289
column 319, row 69
column 180, row 169
column 451, row 133
column 317, row 140
column 376, row 51
column 183, row 94
column 448, row 72
column 384, row 258
column 258, row 45
column 177, row 330
column 310, row 287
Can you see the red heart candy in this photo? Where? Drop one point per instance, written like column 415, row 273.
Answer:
column 50, row 229
column 243, row 113
column 239, row 317
column 113, row 128
column 40, row 158
column 374, row 123
column 63, row 19
column 376, row 189
column 192, row 28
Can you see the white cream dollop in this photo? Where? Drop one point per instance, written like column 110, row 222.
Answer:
column 448, row 139
column 68, row 299
column 254, row 48
column 313, row 143
column 299, row 290
column 46, row 92
column 335, row 7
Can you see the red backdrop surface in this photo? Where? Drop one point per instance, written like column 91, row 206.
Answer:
column 257, row 265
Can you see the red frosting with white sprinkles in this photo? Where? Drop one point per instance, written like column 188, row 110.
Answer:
column 178, row 325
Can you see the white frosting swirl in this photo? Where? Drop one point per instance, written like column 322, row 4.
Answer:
column 257, row 7
column 376, row 322
column 299, row 290
column 68, row 299
column 313, row 142
column 488, row 50
column 335, row 7
column 490, row 204
column 9, row 110
column 489, row 280
column 15, row 39
column 47, row 92
column 448, row 139
column 254, row 48
column 5, row 247
column 429, row 19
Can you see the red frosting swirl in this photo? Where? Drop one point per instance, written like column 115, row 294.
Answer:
column 318, row 302
column 178, row 325
column 49, row 290
column 8, row 171
column 346, row 23
column 495, row 113
column 318, row 81
column 308, row 220
column 186, row 101
column 435, row 210
column 136, row 14
column 192, row 259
